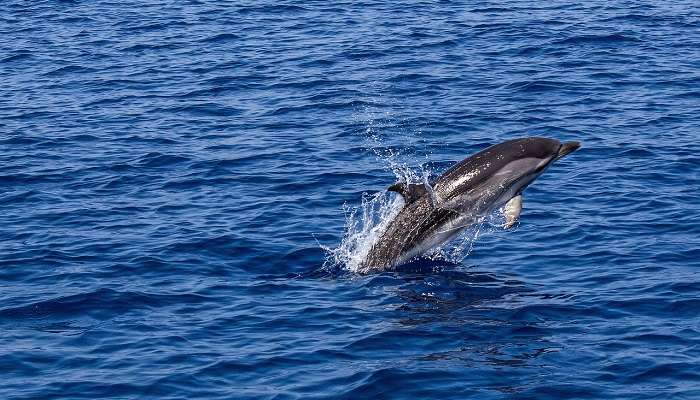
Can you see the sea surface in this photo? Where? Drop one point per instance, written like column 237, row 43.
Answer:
column 184, row 185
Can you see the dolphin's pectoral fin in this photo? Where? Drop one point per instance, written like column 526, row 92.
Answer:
column 410, row 191
column 512, row 211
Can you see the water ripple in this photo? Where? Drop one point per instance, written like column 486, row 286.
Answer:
column 173, row 175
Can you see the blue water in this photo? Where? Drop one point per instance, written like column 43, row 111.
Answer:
column 177, row 179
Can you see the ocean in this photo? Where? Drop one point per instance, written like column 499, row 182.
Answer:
column 185, row 187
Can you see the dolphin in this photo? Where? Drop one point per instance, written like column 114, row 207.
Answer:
column 436, row 213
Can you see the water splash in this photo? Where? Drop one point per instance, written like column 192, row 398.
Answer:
column 365, row 223
column 397, row 159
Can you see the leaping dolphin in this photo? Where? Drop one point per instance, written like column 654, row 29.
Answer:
column 435, row 213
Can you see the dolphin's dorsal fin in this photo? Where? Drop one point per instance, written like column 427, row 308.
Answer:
column 410, row 191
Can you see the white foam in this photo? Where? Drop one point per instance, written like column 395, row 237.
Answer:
column 364, row 224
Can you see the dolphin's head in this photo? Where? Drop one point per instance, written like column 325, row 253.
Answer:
column 511, row 166
column 546, row 150
column 543, row 148
column 523, row 160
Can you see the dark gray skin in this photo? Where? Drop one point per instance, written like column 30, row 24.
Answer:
column 460, row 197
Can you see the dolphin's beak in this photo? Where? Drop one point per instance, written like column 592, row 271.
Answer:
column 568, row 147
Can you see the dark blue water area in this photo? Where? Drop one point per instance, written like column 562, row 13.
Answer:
column 171, row 173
